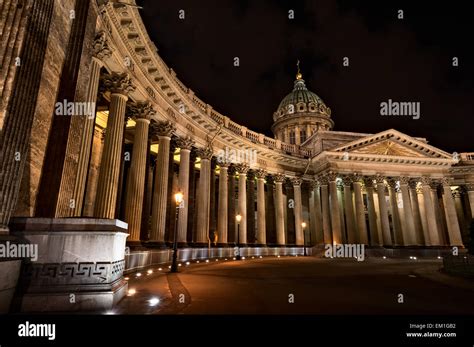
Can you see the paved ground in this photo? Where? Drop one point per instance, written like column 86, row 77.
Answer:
column 318, row 286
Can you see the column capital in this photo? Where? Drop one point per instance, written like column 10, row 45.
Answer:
column 279, row 178
column 347, row 180
column 251, row 174
column 296, row 181
column 404, row 180
column 242, row 168
column 162, row 129
column 185, row 143
column 446, row 181
column 413, row 183
column 260, row 174
column 204, row 153
column 323, row 180
column 101, row 47
column 314, row 184
column 141, row 110
column 369, row 181
column 392, row 182
column 231, row 170
column 331, row 175
column 118, row 83
column 357, row 178
column 380, row 179
column 426, row 181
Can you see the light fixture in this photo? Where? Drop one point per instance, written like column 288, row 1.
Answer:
column 238, row 218
column 132, row 291
column 178, row 197
column 153, row 301
column 303, row 225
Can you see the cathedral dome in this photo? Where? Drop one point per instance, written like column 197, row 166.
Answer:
column 301, row 100
column 300, row 114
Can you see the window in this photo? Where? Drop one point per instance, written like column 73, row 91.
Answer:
column 292, row 137
column 302, row 136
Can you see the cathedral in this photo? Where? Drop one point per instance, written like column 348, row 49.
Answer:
column 99, row 139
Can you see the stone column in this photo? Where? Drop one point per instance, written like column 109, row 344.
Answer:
column 185, row 145
column 296, row 181
column 442, row 232
column 408, row 229
column 430, row 212
column 424, row 221
column 454, row 231
column 280, row 216
column 202, row 227
column 349, row 211
column 418, row 236
column 75, row 191
column 222, row 218
column 325, row 210
column 142, row 113
column 251, row 235
column 242, row 169
column 316, row 214
column 163, row 130
column 340, row 199
column 375, row 234
column 396, row 220
column 120, row 85
column 387, row 238
column 470, row 193
column 261, row 225
column 335, row 212
column 232, row 212
column 359, row 211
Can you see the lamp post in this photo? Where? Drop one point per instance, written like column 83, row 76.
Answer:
column 178, row 197
column 238, row 218
column 303, row 225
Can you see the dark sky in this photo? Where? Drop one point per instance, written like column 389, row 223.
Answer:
column 402, row 60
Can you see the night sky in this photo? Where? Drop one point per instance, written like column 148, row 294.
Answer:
column 402, row 60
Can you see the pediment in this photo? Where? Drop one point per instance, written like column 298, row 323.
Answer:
column 393, row 143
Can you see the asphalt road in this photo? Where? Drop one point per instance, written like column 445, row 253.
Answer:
column 299, row 285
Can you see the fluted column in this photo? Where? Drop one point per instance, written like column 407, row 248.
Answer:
column 185, row 145
column 396, row 220
column 454, row 231
column 325, row 210
column 316, row 215
column 222, row 218
column 418, row 238
column 120, row 85
column 470, row 194
column 359, row 211
column 242, row 169
column 408, row 225
column 387, row 238
column 349, row 210
column 261, row 225
column 375, row 233
column 73, row 180
column 438, row 213
column 280, row 217
column 163, row 131
column 424, row 221
column 202, row 226
column 296, row 181
column 142, row 113
column 335, row 211
column 430, row 212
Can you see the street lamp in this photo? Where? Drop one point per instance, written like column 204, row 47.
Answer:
column 178, row 197
column 303, row 225
column 238, row 218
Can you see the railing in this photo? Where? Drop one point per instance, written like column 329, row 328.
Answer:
column 201, row 104
column 216, row 116
column 234, row 127
column 268, row 141
column 252, row 135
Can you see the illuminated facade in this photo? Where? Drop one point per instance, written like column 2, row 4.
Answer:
column 152, row 136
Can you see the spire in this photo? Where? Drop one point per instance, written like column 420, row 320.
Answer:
column 299, row 76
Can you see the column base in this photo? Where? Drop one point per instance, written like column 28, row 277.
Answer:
column 200, row 245
column 183, row 245
column 80, row 266
column 223, row 244
column 136, row 245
